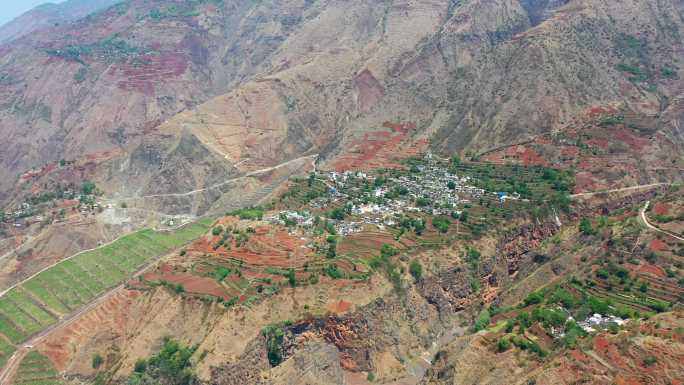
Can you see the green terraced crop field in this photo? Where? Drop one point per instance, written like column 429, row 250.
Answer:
column 62, row 289
column 36, row 369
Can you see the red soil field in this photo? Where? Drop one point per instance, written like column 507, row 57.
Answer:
column 657, row 245
column 648, row 268
column 340, row 307
column 274, row 248
column 114, row 312
column 154, row 70
column 380, row 149
column 192, row 283
column 662, row 208
column 366, row 244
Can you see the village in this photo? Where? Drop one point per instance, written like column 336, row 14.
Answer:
column 358, row 199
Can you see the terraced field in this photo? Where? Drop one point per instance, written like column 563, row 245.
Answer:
column 60, row 290
column 36, row 369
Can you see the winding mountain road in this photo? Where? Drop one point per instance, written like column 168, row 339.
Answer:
column 648, row 224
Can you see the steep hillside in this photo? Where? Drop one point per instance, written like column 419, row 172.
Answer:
column 329, row 76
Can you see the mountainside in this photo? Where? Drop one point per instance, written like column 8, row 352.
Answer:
column 346, row 192
column 327, row 77
column 50, row 14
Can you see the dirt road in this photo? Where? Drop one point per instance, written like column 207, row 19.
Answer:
column 643, row 186
column 648, row 224
column 314, row 157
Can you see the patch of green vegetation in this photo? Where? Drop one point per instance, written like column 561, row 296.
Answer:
column 171, row 366
column 482, row 321
column 611, row 120
column 586, row 228
column 80, row 75
column 545, row 188
column 668, row 72
column 629, row 45
column 275, row 335
column 221, row 273
column 416, row 270
column 249, row 213
column 525, row 344
column 97, row 361
column 441, row 223
column 333, row 272
column 112, row 48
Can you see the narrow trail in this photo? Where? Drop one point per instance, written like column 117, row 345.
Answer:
column 648, row 224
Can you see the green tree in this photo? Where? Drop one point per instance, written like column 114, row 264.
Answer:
column 416, row 270
column 291, row 277
column 97, row 361
column 503, row 344
column 585, row 227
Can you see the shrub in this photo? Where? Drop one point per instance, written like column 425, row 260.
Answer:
column 602, row 273
column 275, row 335
column 534, row 298
column 650, row 361
column 387, row 251
column 140, row 366
column 585, row 227
column 441, row 223
column 422, row 202
column 333, row 272
column 482, row 321
column 416, row 270
column 221, row 273
column 291, row 277
column 171, row 366
column 563, row 297
column 503, row 344
column 217, row 230
column 249, row 213
column 97, row 361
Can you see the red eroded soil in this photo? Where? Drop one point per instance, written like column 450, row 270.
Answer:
column 648, row 268
column 380, row 149
column 191, row 283
column 628, row 137
column 114, row 312
column 657, row 245
column 340, row 307
column 662, row 208
column 267, row 247
column 154, row 70
column 366, row 244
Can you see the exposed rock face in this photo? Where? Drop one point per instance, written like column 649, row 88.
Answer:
column 517, row 248
column 317, row 363
column 449, row 291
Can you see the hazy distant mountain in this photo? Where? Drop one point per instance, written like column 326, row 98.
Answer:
column 50, row 14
